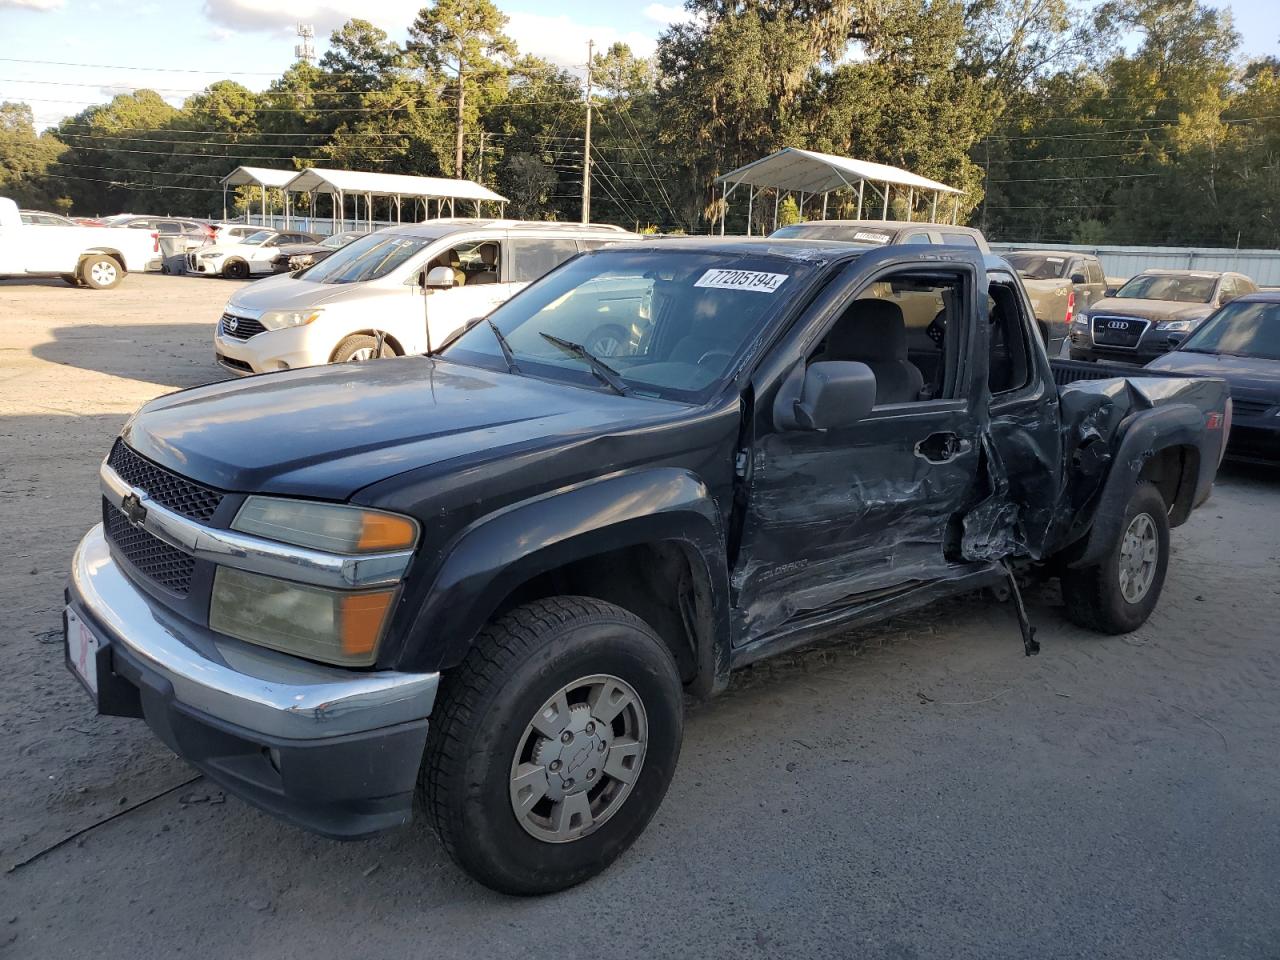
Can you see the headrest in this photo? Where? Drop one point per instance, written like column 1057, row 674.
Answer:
column 869, row 330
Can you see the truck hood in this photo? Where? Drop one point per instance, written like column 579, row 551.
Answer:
column 284, row 292
column 326, row 432
column 1255, row 374
column 1150, row 309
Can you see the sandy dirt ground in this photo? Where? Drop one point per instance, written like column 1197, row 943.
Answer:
column 917, row 790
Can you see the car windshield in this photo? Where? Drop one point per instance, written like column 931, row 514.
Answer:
column 339, row 240
column 871, row 236
column 372, row 256
column 1160, row 286
column 259, row 238
column 1240, row 329
column 1037, row 266
column 670, row 323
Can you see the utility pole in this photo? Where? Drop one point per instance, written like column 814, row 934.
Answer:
column 586, row 146
column 457, row 156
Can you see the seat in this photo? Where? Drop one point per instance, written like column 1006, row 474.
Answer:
column 489, row 257
column 873, row 332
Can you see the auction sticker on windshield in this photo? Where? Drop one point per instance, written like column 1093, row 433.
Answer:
column 753, row 280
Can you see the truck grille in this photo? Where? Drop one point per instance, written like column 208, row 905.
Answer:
column 178, row 494
column 1250, row 408
column 239, row 328
column 153, row 558
column 1123, row 332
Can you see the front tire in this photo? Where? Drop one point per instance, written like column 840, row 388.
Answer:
column 552, row 744
column 101, row 272
column 236, row 270
column 1117, row 594
column 360, row 347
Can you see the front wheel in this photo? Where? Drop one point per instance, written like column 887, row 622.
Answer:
column 1117, row 594
column 101, row 272
column 552, row 744
column 236, row 270
column 359, row 347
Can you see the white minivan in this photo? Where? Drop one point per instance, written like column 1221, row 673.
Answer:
column 396, row 285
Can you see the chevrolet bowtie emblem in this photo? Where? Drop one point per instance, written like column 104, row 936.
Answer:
column 132, row 508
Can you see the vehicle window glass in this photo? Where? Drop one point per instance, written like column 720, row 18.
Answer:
column 141, row 225
column 594, row 244
column 964, row 239
column 848, row 233
column 168, row 228
column 917, row 238
column 1038, row 266
column 1009, row 341
column 898, row 327
column 1239, row 330
column 1093, row 272
column 1181, row 288
column 532, row 257
column 472, row 261
column 673, row 324
column 372, row 256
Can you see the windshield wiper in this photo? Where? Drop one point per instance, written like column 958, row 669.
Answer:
column 602, row 370
column 505, row 347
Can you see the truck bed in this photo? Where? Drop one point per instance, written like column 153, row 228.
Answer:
column 1071, row 371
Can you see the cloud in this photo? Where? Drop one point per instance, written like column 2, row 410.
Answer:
column 563, row 40
column 271, row 16
column 41, row 5
column 667, row 14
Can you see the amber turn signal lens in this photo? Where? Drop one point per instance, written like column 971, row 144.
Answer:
column 383, row 531
column 363, row 615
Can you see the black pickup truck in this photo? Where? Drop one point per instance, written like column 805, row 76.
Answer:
column 487, row 577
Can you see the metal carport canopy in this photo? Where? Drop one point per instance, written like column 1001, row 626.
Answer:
column 322, row 180
column 806, row 171
column 259, row 177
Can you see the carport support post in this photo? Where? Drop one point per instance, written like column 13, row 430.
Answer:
column 884, row 212
column 933, row 211
column 911, row 203
column 777, row 195
column 824, row 205
column 264, row 204
column 861, row 186
column 751, row 196
column 224, row 201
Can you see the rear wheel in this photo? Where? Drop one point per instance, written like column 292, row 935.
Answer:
column 236, row 270
column 553, row 744
column 100, row 272
column 1117, row 594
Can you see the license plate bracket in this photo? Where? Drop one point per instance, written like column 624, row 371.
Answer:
column 83, row 646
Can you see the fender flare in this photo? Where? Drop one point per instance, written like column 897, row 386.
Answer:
column 498, row 553
column 1145, row 434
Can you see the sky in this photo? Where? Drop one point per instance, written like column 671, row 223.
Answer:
column 94, row 49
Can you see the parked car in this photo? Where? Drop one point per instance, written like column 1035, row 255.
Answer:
column 1151, row 313
column 882, row 232
column 243, row 258
column 1241, row 344
column 232, row 232
column 195, row 231
column 393, row 287
column 97, row 257
column 489, row 576
column 299, row 256
column 1061, row 284
column 88, row 222
column 39, row 218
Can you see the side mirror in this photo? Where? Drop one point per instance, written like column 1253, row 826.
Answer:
column 834, row 394
column 1078, row 278
column 438, row 278
column 1109, row 292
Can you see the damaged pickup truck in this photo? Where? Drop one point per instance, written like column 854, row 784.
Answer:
column 486, row 578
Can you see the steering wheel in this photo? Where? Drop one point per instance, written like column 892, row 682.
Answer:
column 714, row 353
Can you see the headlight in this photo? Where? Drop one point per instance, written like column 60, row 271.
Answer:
column 332, row 527
column 334, row 626
column 279, row 319
column 209, row 256
column 1176, row 326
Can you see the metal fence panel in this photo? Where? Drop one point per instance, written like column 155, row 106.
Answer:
column 1123, row 262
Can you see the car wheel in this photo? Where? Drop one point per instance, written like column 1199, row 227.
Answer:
column 607, row 341
column 235, row 270
column 552, row 744
column 359, row 347
column 1117, row 594
column 100, row 272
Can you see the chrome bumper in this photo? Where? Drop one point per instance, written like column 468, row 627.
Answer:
column 256, row 689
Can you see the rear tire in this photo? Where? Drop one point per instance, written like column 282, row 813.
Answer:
column 552, row 744
column 101, row 272
column 1117, row 594
column 236, row 270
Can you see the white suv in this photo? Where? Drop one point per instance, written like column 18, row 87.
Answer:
column 396, row 284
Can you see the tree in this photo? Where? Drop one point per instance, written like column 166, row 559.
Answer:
column 361, row 57
column 463, row 38
column 527, row 183
column 25, row 160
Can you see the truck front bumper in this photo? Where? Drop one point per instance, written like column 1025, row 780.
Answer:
column 333, row 751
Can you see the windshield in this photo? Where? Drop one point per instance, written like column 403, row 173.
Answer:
column 1157, row 286
column 871, row 236
column 339, row 240
column 259, row 238
column 1037, row 266
column 374, row 255
column 671, row 324
column 1240, row 330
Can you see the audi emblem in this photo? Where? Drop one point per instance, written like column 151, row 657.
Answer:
column 1111, row 325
